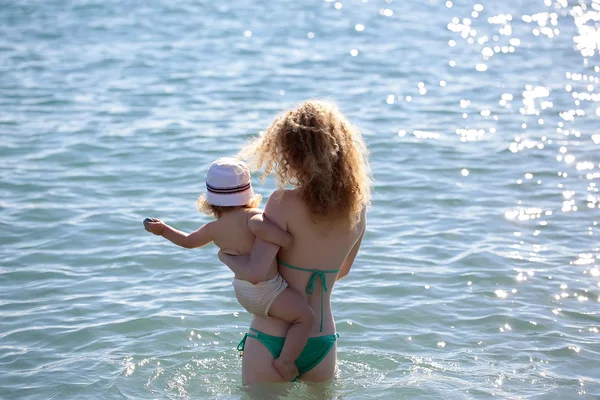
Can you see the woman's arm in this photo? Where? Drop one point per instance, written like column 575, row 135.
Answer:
column 350, row 259
column 352, row 255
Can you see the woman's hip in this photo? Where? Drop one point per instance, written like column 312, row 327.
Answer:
column 316, row 363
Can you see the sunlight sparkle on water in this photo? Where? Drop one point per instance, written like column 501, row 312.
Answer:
column 468, row 135
column 500, row 19
column 426, row 135
column 584, row 259
column 487, row 52
column 524, row 214
column 530, row 95
column 515, row 42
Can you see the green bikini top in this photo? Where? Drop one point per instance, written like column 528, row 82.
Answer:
column 310, row 287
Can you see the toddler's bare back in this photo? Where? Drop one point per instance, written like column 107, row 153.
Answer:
column 231, row 232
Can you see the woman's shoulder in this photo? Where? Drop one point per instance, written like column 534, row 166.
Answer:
column 251, row 212
column 284, row 196
column 283, row 202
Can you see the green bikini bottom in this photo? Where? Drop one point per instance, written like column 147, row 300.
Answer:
column 315, row 350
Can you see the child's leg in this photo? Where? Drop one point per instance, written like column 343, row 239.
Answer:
column 290, row 307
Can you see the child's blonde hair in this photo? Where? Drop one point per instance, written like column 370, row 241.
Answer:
column 316, row 149
column 202, row 205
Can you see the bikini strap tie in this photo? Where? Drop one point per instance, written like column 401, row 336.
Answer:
column 242, row 343
column 310, row 287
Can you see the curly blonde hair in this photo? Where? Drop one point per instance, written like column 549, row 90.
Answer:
column 314, row 148
column 202, row 205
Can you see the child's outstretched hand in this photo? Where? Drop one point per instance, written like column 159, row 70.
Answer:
column 154, row 225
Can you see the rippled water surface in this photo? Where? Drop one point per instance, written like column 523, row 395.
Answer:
column 479, row 276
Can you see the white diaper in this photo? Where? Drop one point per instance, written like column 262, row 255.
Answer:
column 257, row 299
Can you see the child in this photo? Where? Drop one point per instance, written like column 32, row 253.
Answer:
column 232, row 201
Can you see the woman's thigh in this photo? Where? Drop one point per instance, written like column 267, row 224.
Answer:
column 257, row 364
column 325, row 370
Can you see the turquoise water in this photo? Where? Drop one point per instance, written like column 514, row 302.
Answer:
column 479, row 276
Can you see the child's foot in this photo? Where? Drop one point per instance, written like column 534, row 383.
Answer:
column 287, row 369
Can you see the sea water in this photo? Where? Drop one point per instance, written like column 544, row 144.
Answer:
column 479, row 274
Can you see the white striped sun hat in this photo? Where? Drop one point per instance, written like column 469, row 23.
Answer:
column 228, row 183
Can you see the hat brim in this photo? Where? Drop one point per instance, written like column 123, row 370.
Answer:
column 230, row 200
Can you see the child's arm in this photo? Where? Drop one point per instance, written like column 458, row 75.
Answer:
column 200, row 237
column 268, row 231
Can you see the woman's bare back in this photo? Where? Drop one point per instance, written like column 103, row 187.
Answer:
column 323, row 245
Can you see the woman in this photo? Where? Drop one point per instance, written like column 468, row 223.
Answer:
column 317, row 151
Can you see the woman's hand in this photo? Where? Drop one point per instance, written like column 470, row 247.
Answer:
column 154, row 225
